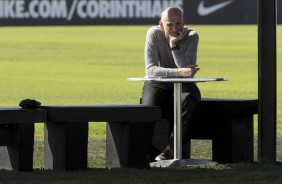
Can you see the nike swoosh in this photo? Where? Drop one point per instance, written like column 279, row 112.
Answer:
column 204, row 11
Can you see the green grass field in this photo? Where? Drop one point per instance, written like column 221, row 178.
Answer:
column 90, row 64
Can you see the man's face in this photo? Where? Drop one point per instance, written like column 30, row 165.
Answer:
column 172, row 25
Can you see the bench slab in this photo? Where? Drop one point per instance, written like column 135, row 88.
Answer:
column 227, row 122
column 14, row 115
column 66, row 134
column 102, row 113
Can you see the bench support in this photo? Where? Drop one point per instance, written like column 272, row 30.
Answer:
column 128, row 144
column 16, row 146
column 235, row 143
column 65, row 145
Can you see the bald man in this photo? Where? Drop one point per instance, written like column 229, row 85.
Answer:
column 171, row 51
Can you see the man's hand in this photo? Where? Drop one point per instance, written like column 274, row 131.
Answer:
column 189, row 71
column 174, row 39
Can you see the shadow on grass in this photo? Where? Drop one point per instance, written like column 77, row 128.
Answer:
column 229, row 173
column 232, row 173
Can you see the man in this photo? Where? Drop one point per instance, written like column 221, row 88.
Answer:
column 171, row 51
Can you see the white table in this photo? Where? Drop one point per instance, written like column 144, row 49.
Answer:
column 178, row 161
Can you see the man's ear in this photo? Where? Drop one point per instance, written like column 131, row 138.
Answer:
column 161, row 24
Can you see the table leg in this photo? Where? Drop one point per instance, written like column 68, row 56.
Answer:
column 177, row 121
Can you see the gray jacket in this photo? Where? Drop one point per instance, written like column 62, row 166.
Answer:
column 160, row 61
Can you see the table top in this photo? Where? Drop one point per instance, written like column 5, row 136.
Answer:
column 178, row 79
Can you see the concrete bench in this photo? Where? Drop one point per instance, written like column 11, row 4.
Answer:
column 227, row 122
column 66, row 135
column 17, row 137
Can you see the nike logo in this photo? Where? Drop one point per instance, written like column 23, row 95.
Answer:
column 204, row 11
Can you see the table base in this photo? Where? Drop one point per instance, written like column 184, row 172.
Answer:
column 182, row 163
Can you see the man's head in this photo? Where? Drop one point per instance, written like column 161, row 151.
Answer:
column 172, row 22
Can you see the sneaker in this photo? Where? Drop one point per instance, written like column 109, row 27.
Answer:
column 166, row 155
